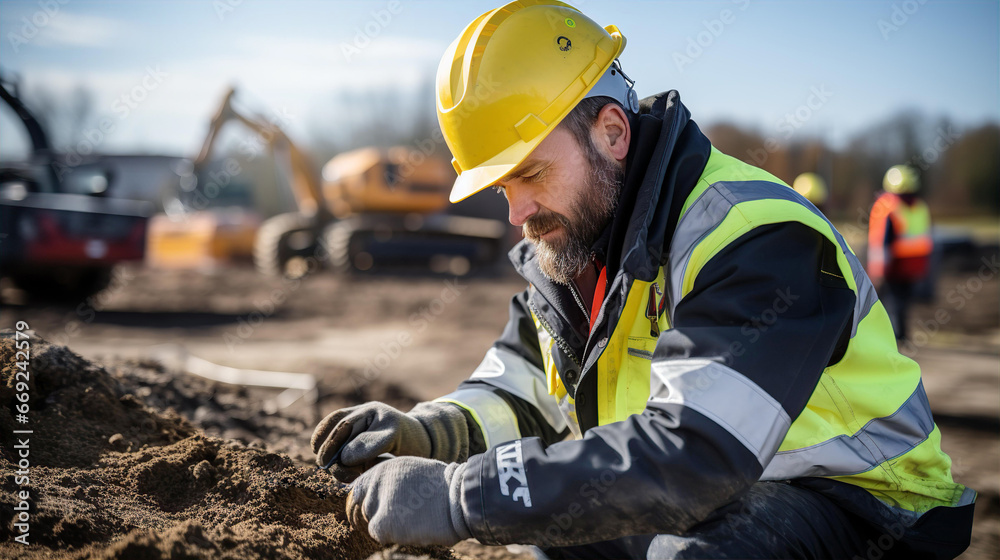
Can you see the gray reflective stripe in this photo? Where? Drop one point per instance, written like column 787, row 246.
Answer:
column 910, row 517
column 490, row 411
column 711, row 208
column 968, row 497
column 506, row 370
column 726, row 397
column 881, row 439
column 868, row 296
column 568, row 409
column 703, row 216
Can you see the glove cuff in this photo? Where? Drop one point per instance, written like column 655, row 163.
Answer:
column 453, row 475
column 447, row 428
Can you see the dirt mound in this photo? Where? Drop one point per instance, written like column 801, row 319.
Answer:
column 240, row 413
column 111, row 477
column 75, row 408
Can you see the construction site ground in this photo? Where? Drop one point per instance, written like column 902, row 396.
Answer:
column 136, row 457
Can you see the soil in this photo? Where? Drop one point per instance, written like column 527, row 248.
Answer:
column 114, row 476
column 135, row 458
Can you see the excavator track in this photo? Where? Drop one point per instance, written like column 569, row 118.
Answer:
column 286, row 246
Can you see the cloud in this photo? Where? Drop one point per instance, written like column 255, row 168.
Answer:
column 301, row 76
column 384, row 60
column 78, row 30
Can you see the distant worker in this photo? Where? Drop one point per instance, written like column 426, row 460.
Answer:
column 698, row 366
column 813, row 188
column 899, row 243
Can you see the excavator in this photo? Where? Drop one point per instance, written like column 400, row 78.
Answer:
column 63, row 226
column 391, row 211
column 373, row 209
column 210, row 216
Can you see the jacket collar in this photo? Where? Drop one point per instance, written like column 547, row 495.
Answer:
column 666, row 157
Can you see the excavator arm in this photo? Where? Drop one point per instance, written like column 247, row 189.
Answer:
column 304, row 184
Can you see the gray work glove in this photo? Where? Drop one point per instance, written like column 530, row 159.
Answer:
column 410, row 501
column 432, row 430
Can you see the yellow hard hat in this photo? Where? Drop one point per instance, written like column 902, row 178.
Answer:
column 901, row 179
column 811, row 186
column 512, row 75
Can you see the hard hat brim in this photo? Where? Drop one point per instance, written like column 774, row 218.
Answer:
column 481, row 177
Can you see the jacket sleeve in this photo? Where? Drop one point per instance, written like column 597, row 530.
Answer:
column 507, row 397
column 747, row 349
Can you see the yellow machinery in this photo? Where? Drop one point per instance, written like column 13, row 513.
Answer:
column 209, row 216
column 373, row 180
column 390, row 207
column 201, row 239
column 375, row 209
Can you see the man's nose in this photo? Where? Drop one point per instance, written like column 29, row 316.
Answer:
column 522, row 205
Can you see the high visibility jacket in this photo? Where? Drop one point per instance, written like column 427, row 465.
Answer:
column 739, row 340
column 899, row 238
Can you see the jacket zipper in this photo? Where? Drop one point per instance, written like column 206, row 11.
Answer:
column 562, row 344
column 644, row 354
column 579, row 300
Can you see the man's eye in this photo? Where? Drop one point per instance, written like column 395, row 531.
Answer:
column 533, row 178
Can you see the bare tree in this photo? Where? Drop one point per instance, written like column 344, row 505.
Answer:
column 65, row 117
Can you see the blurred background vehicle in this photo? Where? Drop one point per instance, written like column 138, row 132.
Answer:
column 374, row 209
column 210, row 215
column 63, row 227
column 392, row 211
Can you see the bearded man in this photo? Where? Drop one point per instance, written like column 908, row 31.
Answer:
column 698, row 367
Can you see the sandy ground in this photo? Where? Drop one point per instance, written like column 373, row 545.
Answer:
column 407, row 339
column 112, row 477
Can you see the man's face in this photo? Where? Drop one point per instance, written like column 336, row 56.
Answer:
column 562, row 196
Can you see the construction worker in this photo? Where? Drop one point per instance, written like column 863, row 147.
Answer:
column 899, row 242
column 698, row 367
column 813, row 188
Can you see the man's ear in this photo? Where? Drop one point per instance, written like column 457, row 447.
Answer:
column 611, row 132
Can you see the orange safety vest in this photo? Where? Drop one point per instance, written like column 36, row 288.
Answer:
column 911, row 225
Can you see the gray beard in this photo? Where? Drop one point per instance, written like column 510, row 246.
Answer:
column 567, row 256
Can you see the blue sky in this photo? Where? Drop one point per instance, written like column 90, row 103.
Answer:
column 756, row 65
